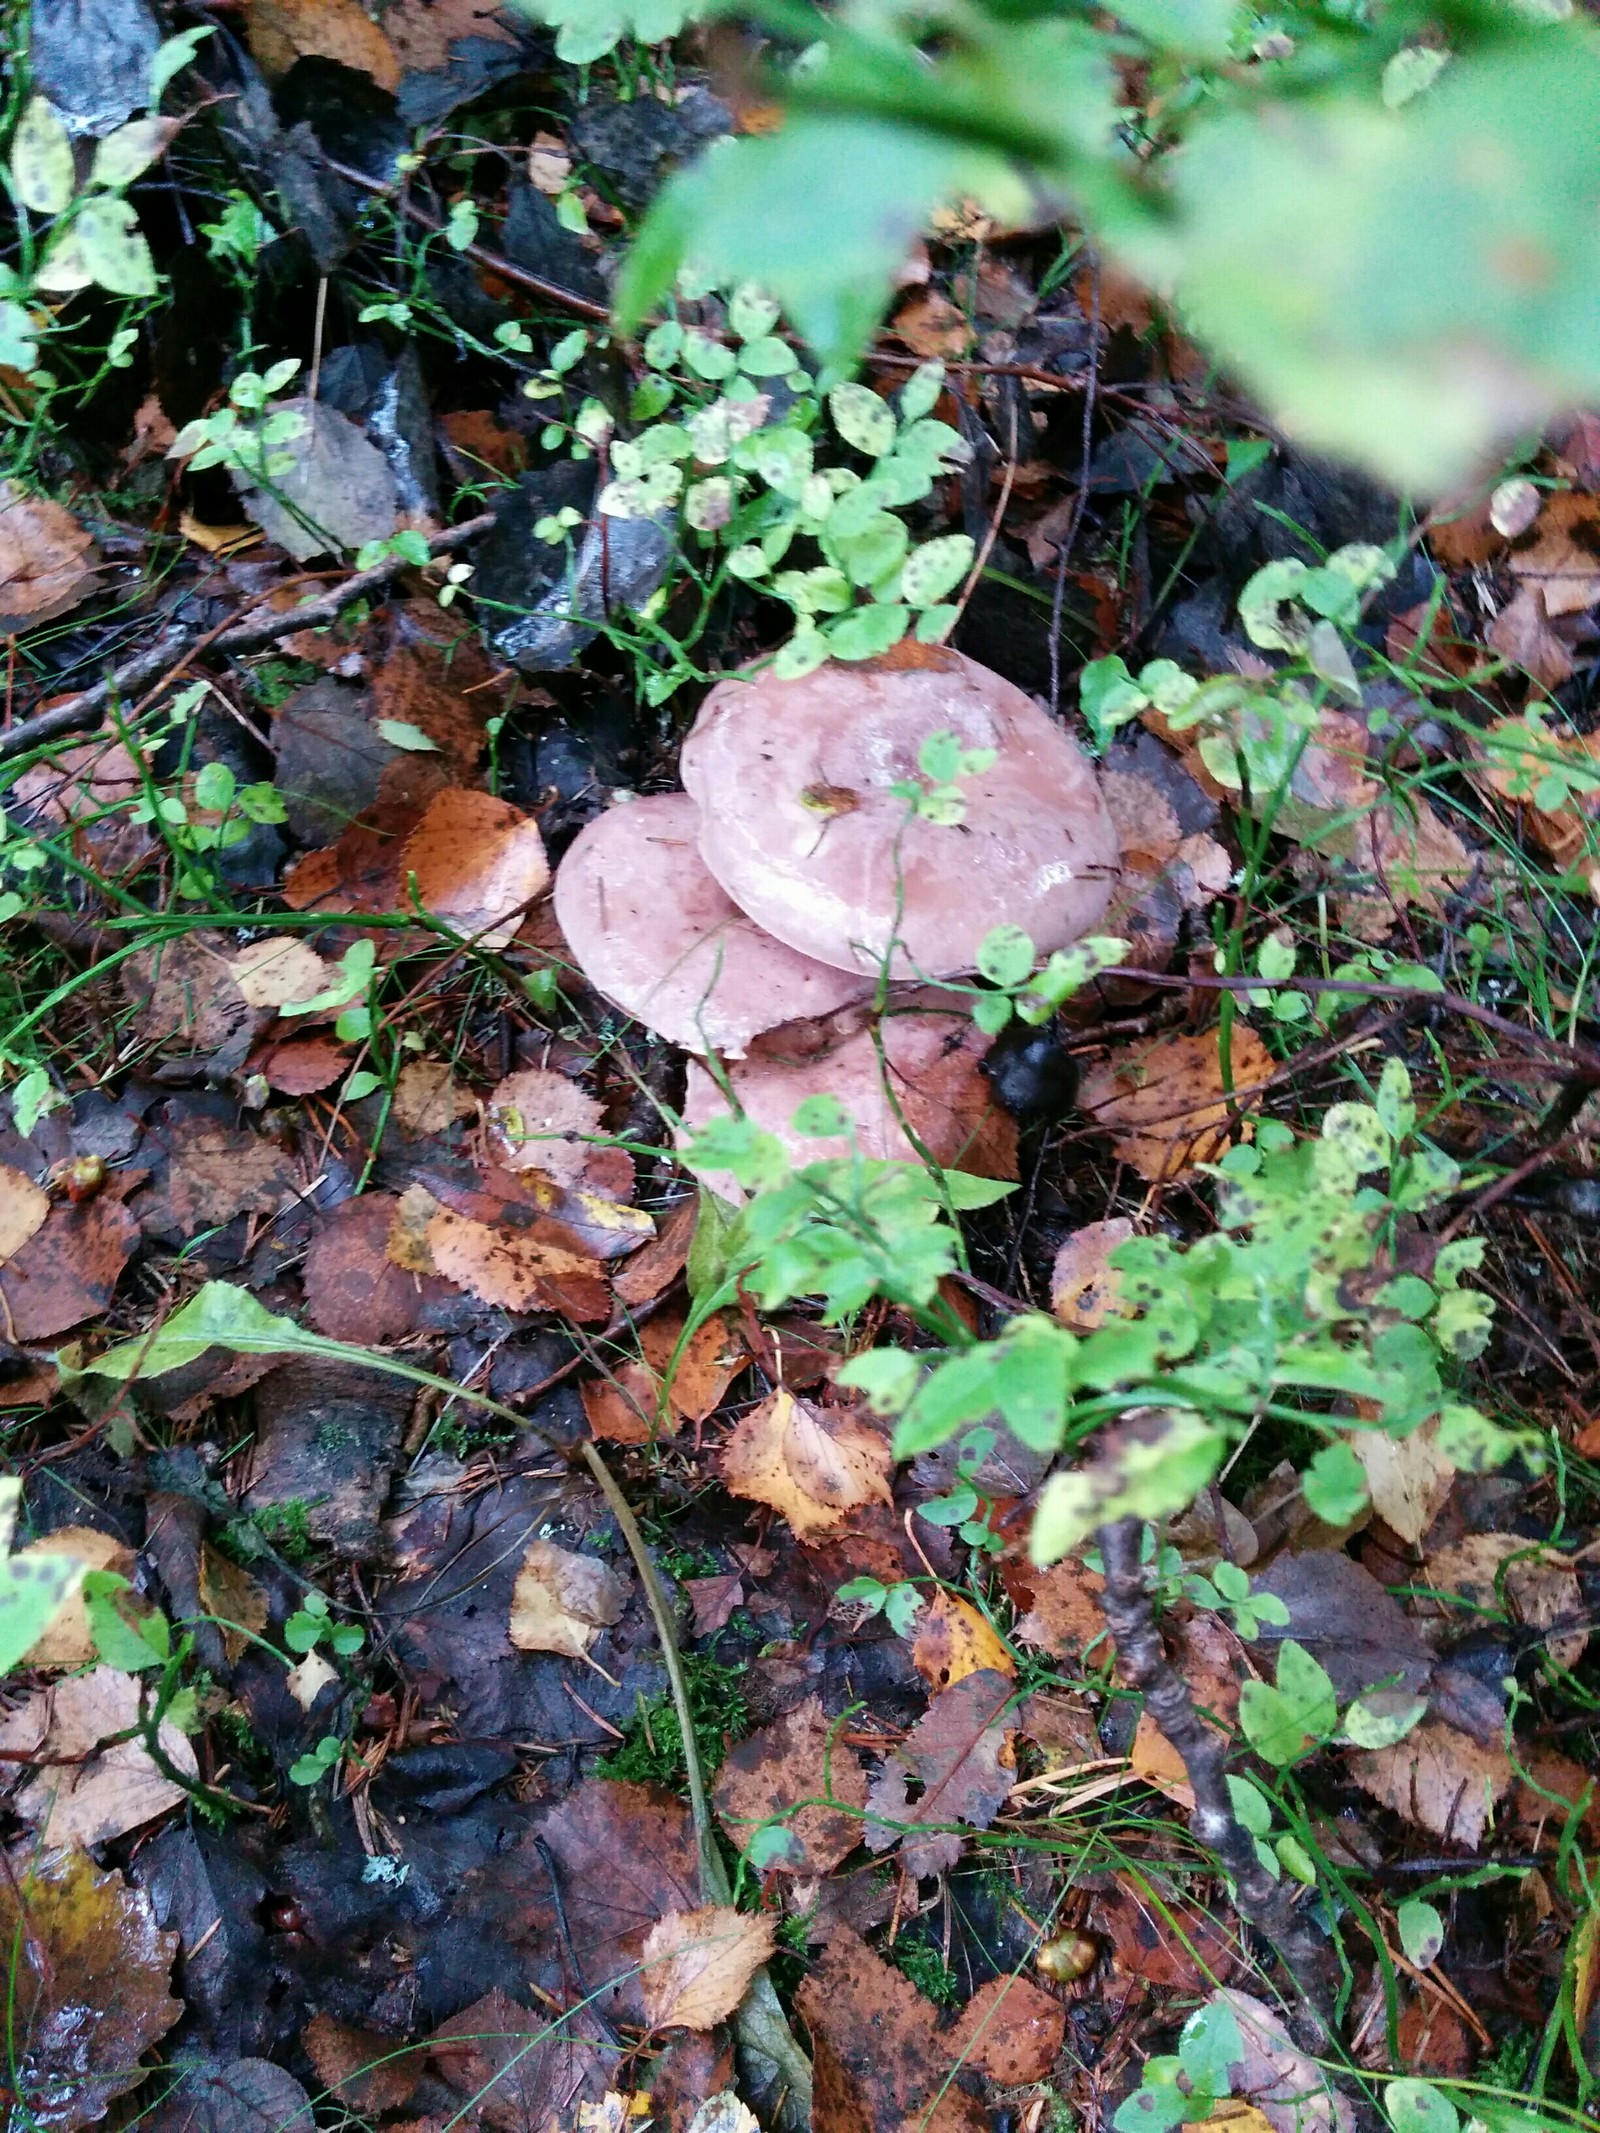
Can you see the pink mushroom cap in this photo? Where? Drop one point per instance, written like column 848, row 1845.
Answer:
column 651, row 930
column 800, row 826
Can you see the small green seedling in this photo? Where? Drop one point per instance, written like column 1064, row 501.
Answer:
column 312, row 1624
column 313, row 1768
column 899, row 1604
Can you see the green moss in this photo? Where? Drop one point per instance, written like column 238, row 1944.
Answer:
column 652, row 1754
column 284, row 1527
column 927, row 1969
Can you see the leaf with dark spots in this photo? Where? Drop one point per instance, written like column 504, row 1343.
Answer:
column 961, row 1754
column 788, row 1773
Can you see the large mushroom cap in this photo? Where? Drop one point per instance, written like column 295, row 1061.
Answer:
column 927, row 1081
column 651, row 929
column 800, row 826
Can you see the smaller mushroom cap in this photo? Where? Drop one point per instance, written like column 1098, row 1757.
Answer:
column 651, row 930
column 933, row 1085
column 802, row 828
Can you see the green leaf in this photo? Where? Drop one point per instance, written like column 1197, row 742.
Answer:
column 214, row 787
column 41, row 159
column 1418, row 2107
column 862, row 419
column 1382, row 1717
column 1145, row 1476
column 805, row 651
column 822, row 1118
column 1201, row 29
column 869, row 632
column 919, row 395
column 1335, row 1484
column 768, row 357
column 1251, row 1805
column 172, row 56
column 1108, row 696
column 123, row 155
column 873, row 552
column 218, row 1315
column 1006, row 957
column 126, row 1640
column 1281, row 1723
column 113, row 247
column 1393, row 1100
column 400, row 733
column 935, row 568
column 1421, row 1931
column 1211, row 2044
column 33, row 1590
column 887, row 1376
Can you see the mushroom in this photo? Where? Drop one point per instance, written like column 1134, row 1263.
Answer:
column 652, row 931
column 927, row 1085
column 800, row 825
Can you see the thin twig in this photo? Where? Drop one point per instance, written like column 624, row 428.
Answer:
column 262, row 626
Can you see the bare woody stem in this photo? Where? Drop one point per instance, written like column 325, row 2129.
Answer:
column 1306, row 1956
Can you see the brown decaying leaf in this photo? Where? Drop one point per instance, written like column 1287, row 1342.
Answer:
column 218, row 1173
column 80, row 1796
column 1560, row 558
column 696, row 1965
column 931, row 325
column 422, row 31
column 230, row 1594
column 628, row 1407
column 1084, row 1290
column 1407, row 1477
column 1289, row 2089
column 796, row 1758
column 279, row 971
column 1414, row 859
column 541, row 1120
column 366, row 2071
column 89, row 787
column 961, row 1753
column 813, row 1464
column 1011, row 2031
column 184, row 993
column 1438, row 1779
column 282, row 31
column 1540, row 1585
column 427, row 1099
column 562, row 1601
column 1157, row 1938
column 1165, row 1100
column 953, row 1640
column 652, row 1271
column 515, row 1269
column 45, row 560
column 68, row 1270
column 519, row 2070
column 89, row 1986
column 878, row 2054
column 354, row 1291
column 23, row 1207
column 67, row 1642
column 477, row 863
column 438, row 688
column 1521, row 632
column 1064, row 1616
column 304, row 1065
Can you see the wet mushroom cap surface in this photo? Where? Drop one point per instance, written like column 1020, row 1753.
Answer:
column 800, row 826
column 651, row 930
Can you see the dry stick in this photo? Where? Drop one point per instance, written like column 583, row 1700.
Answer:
column 1307, row 1957
column 760, row 2024
column 176, row 647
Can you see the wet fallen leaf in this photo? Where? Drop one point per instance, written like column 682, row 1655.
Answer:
column 282, row 31
column 428, row 1099
column 1350, row 1625
column 304, row 1065
column 1521, row 632
column 954, row 1640
column 23, row 1207
column 231, row 1595
column 519, row 2070
column 650, row 1397
column 46, row 560
column 562, row 1601
column 541, row 1120
column 1156, row 1937
column 337, row 492
column 240, row 2096
column 1084, row 1290
column 1560, row 558
column 877, row 2051
column 1540, row 1587
column 1438, row 1779
column 961, row 1755
column 1011, row 2031
column 1408, row 1478
column 1165, row 1100
column 931, row 325
column 88, row 1987
column 788, row 1772
column 813, row 1464
column 1271, row 2072
column 83, row 1793
column 279, row 971
column 218, row 1173
column 515, row 1269
column 1415, row 860
column 354, row 1291
column 476, row 862
column 423, row 31
column 67, row 1642
column 696, row 1965
column 1064, row 1616
column 366, row 2071
column 68, row 1270
column 652, row 1271
column 306, row 1680
column 184, row 994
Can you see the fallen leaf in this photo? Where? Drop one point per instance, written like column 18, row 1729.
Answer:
column 282, row 31
column 1350, row 1625
column 1152, row 1757
column 476, row 862
column 307, row 1679
column 1415, row 860
column 89, row 789
column 230, row 1595
column 368, row 2071
column 541, row 1120
column 1560, row 559
column 954, row 1640
column 68, row 1270
column 1084, row 1290
column 652, row 1271
column 1408, row 1478
column 960, row 1754
column 439, row 689
column 697, row 1965
column 424, row 31
column 815, row 1465
column 304, row 1065
column 1165, row 1100
column 514, row 1268
column 1158, row 1938
column 67, row 1642
column 85, row 1794
column 1521, row 633
column 336, row 494
column 931, row 325
column 239, row 2096
column 88, row 1987
column 427, row 1100
column 1287, row 2087
column 562, row 1601
column 218, row 1173
column 354, row 1291
column 183, row 992
column 279, row 971
column 787, row 1772
column 23, row 1207
column 1064, row 1616
column 46, row 560
column 1011, row 2031
column 1540, row 1585
column 1437, row 1778
column 878, row 2054
column 521, row 2072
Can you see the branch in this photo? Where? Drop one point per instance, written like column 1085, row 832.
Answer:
column 1268, row 1905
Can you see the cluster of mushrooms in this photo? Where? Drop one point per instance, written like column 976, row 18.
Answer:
column 753, row 915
